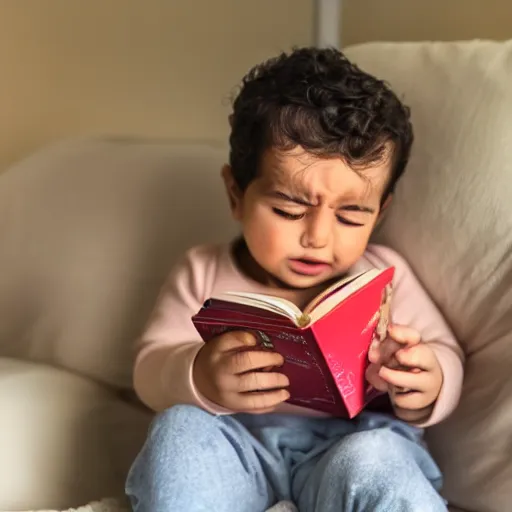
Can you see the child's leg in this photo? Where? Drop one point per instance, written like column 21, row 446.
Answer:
column 193, row 461
column 382, row 469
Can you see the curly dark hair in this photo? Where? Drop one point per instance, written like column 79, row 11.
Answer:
column 318, row 99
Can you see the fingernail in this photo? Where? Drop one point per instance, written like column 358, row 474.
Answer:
column 252, row 339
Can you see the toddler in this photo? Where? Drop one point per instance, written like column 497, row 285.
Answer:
column 316, row 149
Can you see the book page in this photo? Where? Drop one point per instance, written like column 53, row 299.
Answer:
column 333, row 289
column 276, row 305
column 335, row 298
column 317, row 308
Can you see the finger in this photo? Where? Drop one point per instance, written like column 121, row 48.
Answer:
column 257, row 401
column 374, row 352
column 418, row 356
column 373, row 378
column 416, row 381
column 236, row 340
column 261, row 381
column 250, row 360
column 383, row 352
column 404, row 335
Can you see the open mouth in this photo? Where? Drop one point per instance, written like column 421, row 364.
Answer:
column 312, row 261
column 309, row 267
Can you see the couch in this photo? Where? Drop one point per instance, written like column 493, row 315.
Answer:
column 89, row 228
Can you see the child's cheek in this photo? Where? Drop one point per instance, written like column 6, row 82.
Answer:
column 269, row 230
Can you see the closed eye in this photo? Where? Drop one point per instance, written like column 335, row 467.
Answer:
column 347, row 222
column 287, row 215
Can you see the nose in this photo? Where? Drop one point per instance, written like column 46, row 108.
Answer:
column 317, row 229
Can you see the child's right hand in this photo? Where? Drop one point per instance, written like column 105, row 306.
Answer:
column 228, row 371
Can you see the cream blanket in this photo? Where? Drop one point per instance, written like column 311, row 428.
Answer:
column 112, row 505
column 106, row 505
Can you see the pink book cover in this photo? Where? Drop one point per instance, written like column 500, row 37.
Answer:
column 326, row 360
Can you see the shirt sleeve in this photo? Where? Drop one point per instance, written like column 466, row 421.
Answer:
column 167, row 349
column 411, row 306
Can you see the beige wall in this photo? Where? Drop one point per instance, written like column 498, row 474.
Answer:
column 152, row 67
column 416, row 20
column 165, row 68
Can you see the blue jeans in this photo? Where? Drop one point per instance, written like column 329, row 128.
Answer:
column 193, row 461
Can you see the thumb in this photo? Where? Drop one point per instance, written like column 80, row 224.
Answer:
column 248, row 338
column 373, row 378
column 237, row 340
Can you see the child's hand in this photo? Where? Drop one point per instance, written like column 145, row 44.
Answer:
column 408, row 370
column 228, row 372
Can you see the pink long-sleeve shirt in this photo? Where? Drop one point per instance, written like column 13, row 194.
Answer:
column 167, row 349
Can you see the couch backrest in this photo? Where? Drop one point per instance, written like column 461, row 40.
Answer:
column 452, row 219
column 88, row 231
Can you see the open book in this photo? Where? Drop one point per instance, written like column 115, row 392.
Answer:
column 325, row 345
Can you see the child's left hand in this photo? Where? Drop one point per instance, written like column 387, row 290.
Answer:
column 408, row 370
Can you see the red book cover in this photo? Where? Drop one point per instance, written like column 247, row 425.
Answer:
column 325, row 347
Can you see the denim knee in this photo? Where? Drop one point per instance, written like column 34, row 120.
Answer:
column 196, row 461
column 182, row 414
column 370, row 459
column 182, row 420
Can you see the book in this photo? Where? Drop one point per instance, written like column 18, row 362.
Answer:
column 325, row 346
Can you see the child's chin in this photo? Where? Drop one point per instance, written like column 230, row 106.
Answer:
column 302, row 282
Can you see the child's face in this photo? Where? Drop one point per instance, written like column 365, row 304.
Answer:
column 307, row 220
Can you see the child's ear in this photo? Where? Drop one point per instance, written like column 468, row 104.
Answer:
column 234, row 193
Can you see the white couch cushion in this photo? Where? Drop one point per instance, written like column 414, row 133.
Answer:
column 452, row 219
column 64, row 440
column 89, row 230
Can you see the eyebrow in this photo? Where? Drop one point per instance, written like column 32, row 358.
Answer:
column 293, row 198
